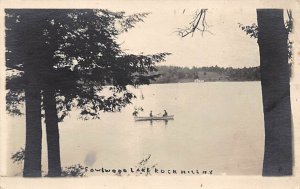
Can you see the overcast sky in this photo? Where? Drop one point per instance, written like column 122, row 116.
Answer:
column 228, row 46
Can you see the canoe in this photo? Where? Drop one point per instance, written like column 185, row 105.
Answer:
column 169, row 117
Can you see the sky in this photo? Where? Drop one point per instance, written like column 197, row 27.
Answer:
column 228, row 46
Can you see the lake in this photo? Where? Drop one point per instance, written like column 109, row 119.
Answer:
column 217, row 126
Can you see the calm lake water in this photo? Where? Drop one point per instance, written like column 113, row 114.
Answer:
column 217, row 126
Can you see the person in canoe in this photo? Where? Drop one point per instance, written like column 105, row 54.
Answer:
column 165, row 113
column 151, row 115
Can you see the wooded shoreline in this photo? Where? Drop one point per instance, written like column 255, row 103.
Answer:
column 175, row 74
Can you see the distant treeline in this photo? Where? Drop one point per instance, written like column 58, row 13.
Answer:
column 175, row 74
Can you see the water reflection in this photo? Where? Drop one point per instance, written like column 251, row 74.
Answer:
column 165, row 121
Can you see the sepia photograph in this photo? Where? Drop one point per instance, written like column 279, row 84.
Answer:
column 151, row 89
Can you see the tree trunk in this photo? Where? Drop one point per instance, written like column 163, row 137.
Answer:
column 33, row 146
column 51, row 119
column 275, row 82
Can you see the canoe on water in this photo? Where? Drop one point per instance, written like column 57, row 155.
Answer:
column 169, row 117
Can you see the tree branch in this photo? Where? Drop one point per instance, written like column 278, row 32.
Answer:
column 198, row 23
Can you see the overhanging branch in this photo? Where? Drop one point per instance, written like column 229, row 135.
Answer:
column 198, row 23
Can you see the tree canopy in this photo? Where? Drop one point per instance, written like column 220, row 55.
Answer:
column 74, row 52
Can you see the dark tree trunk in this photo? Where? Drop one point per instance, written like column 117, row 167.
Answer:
column 275, row 82
column 51, row 119
column 33, row 144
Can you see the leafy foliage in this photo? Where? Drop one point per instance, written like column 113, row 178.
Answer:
column 75, row 53
column 19, row 156
column 69, row 171
column 73, row 171
column 252, row 31
column 137, row 110
column 144, row 165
